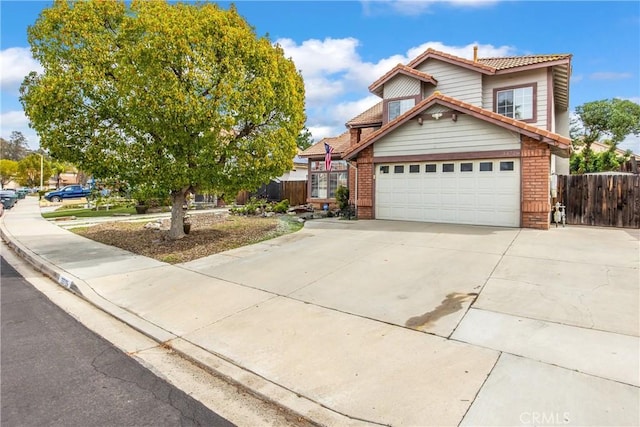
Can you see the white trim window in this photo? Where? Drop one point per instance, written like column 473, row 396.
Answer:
column 324, row 183
column 399, row 107
column 516, row 103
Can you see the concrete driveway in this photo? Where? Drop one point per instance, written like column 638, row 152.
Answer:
column 426, row 276
column 398, row 323
column 561, row 306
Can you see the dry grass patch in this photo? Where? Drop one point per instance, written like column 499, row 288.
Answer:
column 210, row 234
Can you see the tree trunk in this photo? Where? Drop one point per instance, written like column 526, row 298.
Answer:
column 178, row 199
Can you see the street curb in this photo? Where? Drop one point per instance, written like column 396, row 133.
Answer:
column 295, row 404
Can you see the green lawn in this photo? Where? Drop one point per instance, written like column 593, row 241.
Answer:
column 89, row 213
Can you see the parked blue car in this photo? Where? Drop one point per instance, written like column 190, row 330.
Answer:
column 8, row 198
column 68, row 192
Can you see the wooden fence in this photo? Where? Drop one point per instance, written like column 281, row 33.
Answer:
column 602, row 200
column 294, row 191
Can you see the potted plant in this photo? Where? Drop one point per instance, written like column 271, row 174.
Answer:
column 140, row 195
column 141, row 207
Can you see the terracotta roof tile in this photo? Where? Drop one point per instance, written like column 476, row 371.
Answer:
column 438, row 98
column 371, row 116
column 521, row 61
column 339, row 143
column 432, row 53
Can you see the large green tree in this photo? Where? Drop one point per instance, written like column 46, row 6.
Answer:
column 608, row 121
column 15, row 148
column 181, row 97
column 8, row 171
column 29, row 171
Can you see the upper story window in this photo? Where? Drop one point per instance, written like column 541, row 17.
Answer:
column 517, row 102
column 399, row 107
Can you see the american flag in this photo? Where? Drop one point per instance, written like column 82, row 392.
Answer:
column 328, row 150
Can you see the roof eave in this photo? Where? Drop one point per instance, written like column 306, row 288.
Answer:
column 520, row 68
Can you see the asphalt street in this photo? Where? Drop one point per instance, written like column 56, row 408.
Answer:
column 55, row 371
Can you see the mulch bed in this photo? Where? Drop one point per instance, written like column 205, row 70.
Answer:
column 210, row 234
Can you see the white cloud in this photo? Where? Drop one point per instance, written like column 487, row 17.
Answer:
column 16, row 63
column 417, row 7
column 317, row 57
column 319, row 90
column 609, row 75
column 466, row 51
column 320, row 132
column 11, row 121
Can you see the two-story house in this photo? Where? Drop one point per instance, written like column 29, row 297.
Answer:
column 455, row 141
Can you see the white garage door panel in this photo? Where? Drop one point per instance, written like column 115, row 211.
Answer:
column 469, row 197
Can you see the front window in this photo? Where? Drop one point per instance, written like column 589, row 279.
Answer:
column 325, row 183
column 399, row 107
column 516, row 103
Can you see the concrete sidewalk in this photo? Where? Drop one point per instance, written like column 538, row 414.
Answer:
column 392, row 323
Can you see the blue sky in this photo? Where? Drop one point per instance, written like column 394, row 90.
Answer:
column 343, row 46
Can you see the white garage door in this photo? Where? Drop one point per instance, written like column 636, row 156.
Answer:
column 481, row 192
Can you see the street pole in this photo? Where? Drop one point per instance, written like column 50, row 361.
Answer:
column 41, row 171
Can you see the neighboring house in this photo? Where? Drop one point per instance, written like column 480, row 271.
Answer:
column 299, row 171
column 66, row 178
column 601, row 147
column 456, row 141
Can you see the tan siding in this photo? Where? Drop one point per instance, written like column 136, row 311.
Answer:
column 534, row 76
column 446, row 136
column 562, row 122
column 401, row 86
column 454, row 81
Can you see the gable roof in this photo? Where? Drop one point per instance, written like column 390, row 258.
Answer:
column 560, row 144
column 376, row 87
column 372, row 116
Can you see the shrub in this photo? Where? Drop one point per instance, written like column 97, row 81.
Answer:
column 342, row 197
column 255, row 206
column 281, row 207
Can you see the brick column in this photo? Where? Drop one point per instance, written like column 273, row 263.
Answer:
column 535, row 163
column 365, row 183
column 354, row 136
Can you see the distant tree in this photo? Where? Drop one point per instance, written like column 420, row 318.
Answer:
column 609, row 121
column 183, row 97
column 57, row 169
column 304, row 139
column 29, row 171
column 15, row 148
column 8, row 171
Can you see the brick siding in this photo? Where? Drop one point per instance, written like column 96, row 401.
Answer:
column 535, row 166
column 354, row 136
column 365, row 183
